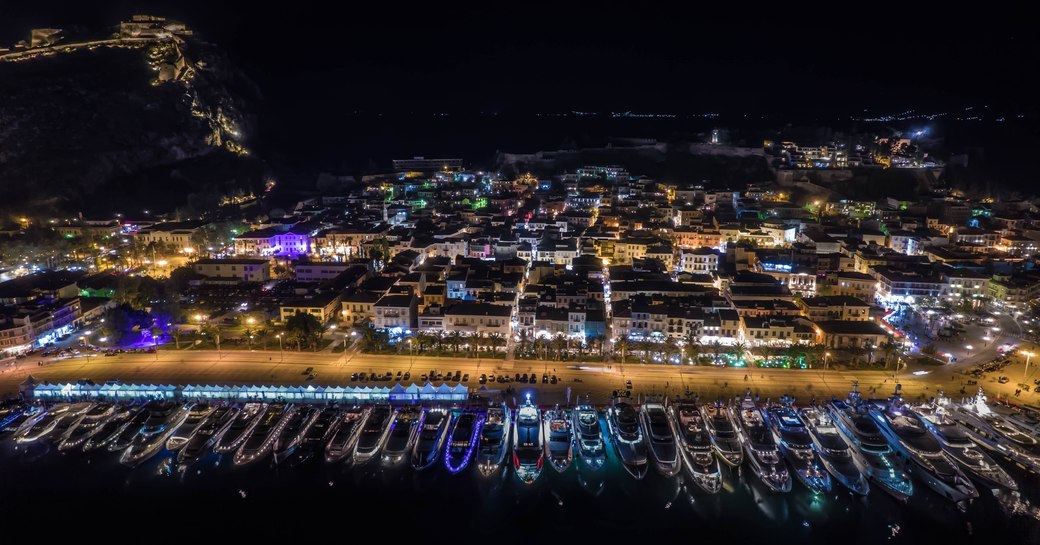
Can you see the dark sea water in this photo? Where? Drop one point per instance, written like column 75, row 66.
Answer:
column 72, row 497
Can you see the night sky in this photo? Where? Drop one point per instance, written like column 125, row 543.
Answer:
column 319, row 68
column 803, row 60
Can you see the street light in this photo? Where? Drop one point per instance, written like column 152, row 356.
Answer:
column 825, row 356
column 1025, row 373
column 281, row 353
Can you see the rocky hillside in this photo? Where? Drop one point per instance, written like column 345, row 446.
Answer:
column 114, row 129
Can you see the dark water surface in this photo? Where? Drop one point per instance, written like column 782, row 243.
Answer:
column 78, row 497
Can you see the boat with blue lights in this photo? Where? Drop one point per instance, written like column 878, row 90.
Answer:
column 433, row 432
column 494, row 439
column 124, row 437
column 588, row 437
column 240, row 428
column 625, row 433
column 16, row 415
column 760, row 448
column 207, row 434
column 559, row 439
column 403, row 434
column 374, row 431
column 528, row 449
column 463, row 441
column 296, row 425
column 797, row 446
column 871, row 450
column 261, row 440
column 660, row 437
column 958, row 445
column 834, row 451
column 725, row 439
column 695, row 447
column 929, row 463
column 150, row 439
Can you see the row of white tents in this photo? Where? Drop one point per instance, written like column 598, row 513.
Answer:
column 396, row 394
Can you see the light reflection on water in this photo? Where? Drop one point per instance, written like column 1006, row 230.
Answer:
column 581, row 503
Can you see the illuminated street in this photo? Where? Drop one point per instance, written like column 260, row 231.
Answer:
column 597, row 380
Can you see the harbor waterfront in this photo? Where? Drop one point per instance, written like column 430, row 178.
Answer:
column 594, row 379
column 277, row 463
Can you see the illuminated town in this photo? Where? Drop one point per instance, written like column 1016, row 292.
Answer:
column 792, row 318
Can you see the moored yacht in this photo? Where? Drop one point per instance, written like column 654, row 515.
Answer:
column 88, row 425
column 835, row 453
column 909, row 437
column 653, row 420
column 313, row 442
column 494, row 439
column 373, row 435
column 997, row 434
column 296, row 425
column 588, row 437
column 43, row 424
column 403, row 434
column 121, row 438
column 725, row 438
column 17, row 415
column 695, row 447
column 528, row 451
column 559, row 443
column 797, row 446
column 196, row 416
column 151, row 438
column 207, row 434
column 433, row 432
column 760, row 446
column 623, row 425
column 240, row 428
column 343, row 440
column 463, row 441
column 958, row 445
column 265, row 432
column 871, row 450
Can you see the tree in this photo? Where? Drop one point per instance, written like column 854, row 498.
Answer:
column 559, row 345
column 180, row 279
column 522, row 345
column 455, row 340
column 692, row 346
column 622, row 346
column 305, row 329
column 122, row 321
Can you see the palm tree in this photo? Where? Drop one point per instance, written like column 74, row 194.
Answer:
column 455, row 340
column 559, row 345
column 691, row 346
column 887, row 349
column 622, row 346
column 738, row 350
column 716, row 348
column 522, row 344
column 671, row 347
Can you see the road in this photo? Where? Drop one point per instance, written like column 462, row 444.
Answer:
column 597, row 380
